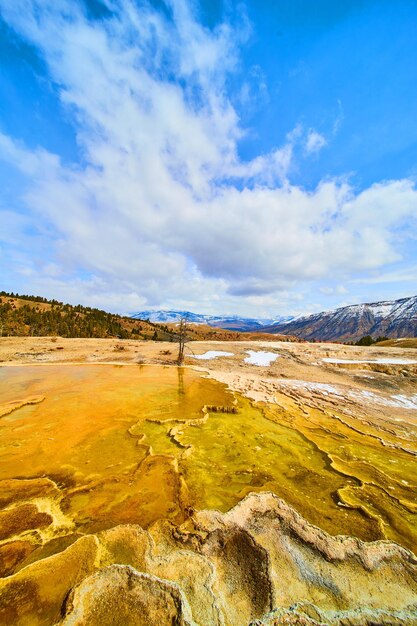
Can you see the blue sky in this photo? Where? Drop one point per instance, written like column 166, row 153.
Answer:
column 257, row 157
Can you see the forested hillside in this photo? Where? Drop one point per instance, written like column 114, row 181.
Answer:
column 36, row 316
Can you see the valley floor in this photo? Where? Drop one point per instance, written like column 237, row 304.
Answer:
column 238, row 488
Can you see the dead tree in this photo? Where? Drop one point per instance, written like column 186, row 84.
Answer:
column 182, row 338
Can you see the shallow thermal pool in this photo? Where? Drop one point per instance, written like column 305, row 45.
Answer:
column 92, row 446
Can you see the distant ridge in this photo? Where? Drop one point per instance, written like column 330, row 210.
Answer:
column 35, row 316
column 233, row 322
column 390, row 318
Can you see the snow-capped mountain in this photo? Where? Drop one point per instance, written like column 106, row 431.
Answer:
column 233, row 322
column 396, row 318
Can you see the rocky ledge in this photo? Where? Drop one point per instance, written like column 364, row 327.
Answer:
column 261, row 564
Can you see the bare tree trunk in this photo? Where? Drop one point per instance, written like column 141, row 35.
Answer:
column 181, row 344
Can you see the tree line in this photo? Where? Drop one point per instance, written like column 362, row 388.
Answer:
column 367, row 340
column 65, row 320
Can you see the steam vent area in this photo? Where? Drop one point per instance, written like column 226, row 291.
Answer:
column 262, row 483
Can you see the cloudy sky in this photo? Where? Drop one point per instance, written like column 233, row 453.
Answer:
column 255, row 157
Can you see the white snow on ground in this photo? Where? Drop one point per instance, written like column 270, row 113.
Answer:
column 407, row 403
column 260, row 358
column 382, row 309
column 211, row 354
column 397, row 401
column 322, row 388
column 387, row 361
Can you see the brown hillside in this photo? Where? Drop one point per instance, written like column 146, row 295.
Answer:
column 24, row 316
column 202, row 332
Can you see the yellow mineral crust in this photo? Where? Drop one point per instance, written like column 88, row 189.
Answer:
column 151, row 494
column 8, row 407
column 248, row 565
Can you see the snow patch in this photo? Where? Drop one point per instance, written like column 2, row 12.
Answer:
column 211, row 354
column 387, row 361
column 262, row 359
column 406, row 403
column 319, row 387
column 397, row 401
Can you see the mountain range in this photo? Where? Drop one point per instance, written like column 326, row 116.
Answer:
column 234, row 322
column 389, row 318
column 36, row 316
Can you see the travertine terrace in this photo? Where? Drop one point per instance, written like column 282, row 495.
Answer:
column 223, row 492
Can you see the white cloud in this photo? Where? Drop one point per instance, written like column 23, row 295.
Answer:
column 330, row 291
column 314, row 142
column 164, row 211
column 405, row 274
